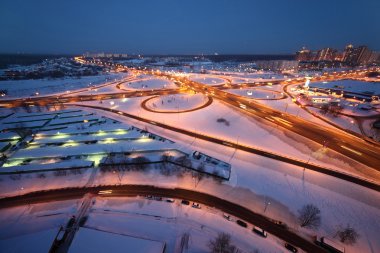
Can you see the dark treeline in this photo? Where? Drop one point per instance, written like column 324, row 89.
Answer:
column 25, row 59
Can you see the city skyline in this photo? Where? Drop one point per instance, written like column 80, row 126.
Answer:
column 185, row 28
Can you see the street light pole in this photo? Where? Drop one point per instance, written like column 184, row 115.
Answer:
column 267, row 203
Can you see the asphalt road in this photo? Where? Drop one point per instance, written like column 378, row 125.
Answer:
column 133, row 190
column 339, row 141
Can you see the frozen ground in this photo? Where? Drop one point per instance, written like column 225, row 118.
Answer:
column 250, row 132
column 96, row 241
column 351, row 85
column 206, row 79
column 177, row 102
column 148, row 83
column 169, row 222
column 27, row 88
column 287, row 188
column 255, row 181
column 350, row 107
column 32, row 228
column 256, row 93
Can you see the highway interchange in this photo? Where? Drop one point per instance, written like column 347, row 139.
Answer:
column 363, row 151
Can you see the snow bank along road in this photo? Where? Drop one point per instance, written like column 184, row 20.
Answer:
column 303, row 164
column 203, row 198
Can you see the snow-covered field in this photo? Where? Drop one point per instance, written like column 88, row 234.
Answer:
column 27, row 88
column 97, row 241
column 249, row 131
column 209, row 80
column 32, row 228
column 257, row 93
column 177, row 102
column 170, row 222
column 263, row 185
column 148, row 83
column 351, row 85
column 254, row 178
column 286, row 187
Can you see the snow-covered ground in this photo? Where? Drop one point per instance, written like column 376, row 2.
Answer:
column 254, row 182
column 177, row 102
column 169, row 222
column 32, row 228
column 245, row 75
column 351, row 108
column 148, row 83
column 249, row 131
column 27, row 88
column 351, row 85
column 256, row 93
column 286, row 187
column 206, row 79
column 97, row 241
column 261, row 184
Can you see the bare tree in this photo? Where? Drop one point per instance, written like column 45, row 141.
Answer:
column 41, row 175
column 309, row 216
column 348, row 234
column 336, row 109
column 141, row 162
column 200, row 174
column 184, row 161
column 324, row 109
column 222, row 244
column 22, row 130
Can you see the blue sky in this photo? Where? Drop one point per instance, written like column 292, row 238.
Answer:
column 186, row 27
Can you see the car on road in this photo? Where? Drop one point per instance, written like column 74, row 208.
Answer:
column 196, row 205
column 227, row 216
column 291, row 248
column 185, row 202
column 259, row 231
column 71, row 222
column 153, row 197
column 241, row 223
column 61, row 235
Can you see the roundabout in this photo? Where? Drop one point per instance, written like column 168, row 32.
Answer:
column 177, row 103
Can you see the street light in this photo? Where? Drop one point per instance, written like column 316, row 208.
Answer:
column 266, row 205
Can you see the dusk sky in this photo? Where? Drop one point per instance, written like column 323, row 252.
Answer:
column 186, row 27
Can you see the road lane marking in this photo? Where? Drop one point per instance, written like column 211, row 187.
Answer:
column 349, row 149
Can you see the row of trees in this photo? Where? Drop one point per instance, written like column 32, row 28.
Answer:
column 169, row 166
column 333, row 109
column 310, row 216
